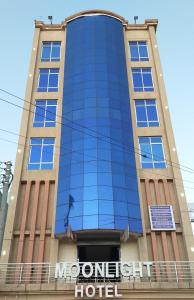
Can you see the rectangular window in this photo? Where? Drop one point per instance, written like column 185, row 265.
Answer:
column 48, row 80
column 45, row 113
column 146, row 113
column 139, row 51
column 152, row 153
column 142, row 80
column 41, row 154
column 161, row 217
column 50, row 51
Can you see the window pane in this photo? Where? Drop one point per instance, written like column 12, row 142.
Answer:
column 35, row 154
column 90, row 208
column 137, row 80
column 152, row 113
column 146, row 153
column 53, row 80
column 157, row 152
column 134, row 53
column 143, row 52
column 33, row 166
column 51, row 113
column 46, row 166
column 147, row 79
column 47, row 154
column 55, row 55
column 39, row 113
column 141, row 113
column 43, row 81
column 46, row 53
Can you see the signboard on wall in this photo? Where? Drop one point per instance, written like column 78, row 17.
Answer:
column 161, row 217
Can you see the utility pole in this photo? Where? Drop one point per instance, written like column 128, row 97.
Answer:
column 6, row 181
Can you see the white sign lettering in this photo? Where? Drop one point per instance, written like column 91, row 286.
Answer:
column 103, row 270
column 90, row 291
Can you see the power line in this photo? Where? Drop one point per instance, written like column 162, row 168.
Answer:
column 179, row 166
column 179, row 179
column 95, row 158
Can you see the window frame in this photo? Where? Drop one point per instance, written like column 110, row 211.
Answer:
column 47, row 87
column 51, row 47
column 138, row 50
column 147, row 121
column 44, row 112
column 41, row 154
column 143, row 87
column 152, row 154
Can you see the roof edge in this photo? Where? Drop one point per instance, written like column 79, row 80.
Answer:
column 96, row 12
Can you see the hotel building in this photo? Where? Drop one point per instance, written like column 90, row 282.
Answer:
column 97, row 203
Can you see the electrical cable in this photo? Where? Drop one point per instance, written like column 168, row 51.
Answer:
column 96, row 137
column 95, row 158
column 89, row 129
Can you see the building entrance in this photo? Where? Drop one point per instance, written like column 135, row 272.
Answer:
column 98, row 253
column 102, row 254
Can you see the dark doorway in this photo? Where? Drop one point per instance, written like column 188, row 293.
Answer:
column 98, row 253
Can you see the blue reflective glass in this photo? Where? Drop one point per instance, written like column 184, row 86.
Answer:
column 53, row 80
column 90, row 193
column 90, row 208
column 39, row 113
column 51, row 113
column 121, row 208
column 90, row 222
column 106, row 221
column 105, row 179
column 46, row 166
column 152, row 152
column 147, row 79
column 157, row 152
column 96, row 96
column 105, row 192
column 77, row 181
column 43, row 81
column 48, row 80
column 146, row 153
column 141, row 113
column 106, row 207
column 35, row 154
column 134, row 53
column 47, row 154
column 143, row 53
column 46, row 50
column 90, row 179
column 156, row 139
column 152, row 113
column 76, row 223
column 137, row 80
column 55, row 54
column 76, row 209
column 50, row 51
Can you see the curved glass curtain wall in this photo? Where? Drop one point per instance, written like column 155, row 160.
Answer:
column 97, row 184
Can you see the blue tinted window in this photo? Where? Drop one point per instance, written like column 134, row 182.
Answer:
column 48, row 80
column 50, row 51
column 139, row 51
column 41, row 154
column 45, row 113
column 142, row 80
column 146, row 113
column 152, row 153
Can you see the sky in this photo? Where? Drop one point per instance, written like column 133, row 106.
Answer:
column 175, row 35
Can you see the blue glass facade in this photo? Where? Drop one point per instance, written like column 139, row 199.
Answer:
column 97, row 183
